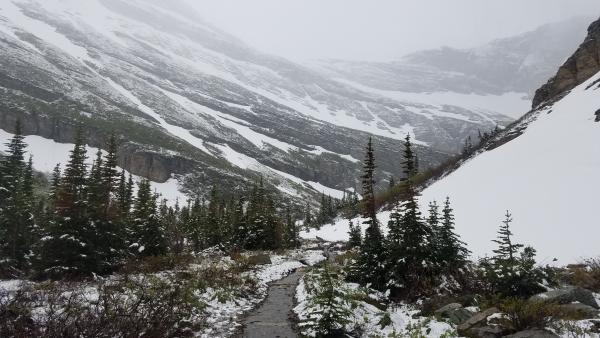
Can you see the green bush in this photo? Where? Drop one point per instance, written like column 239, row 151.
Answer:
column 523, row 314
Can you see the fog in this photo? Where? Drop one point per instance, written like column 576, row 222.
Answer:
column 380, row 29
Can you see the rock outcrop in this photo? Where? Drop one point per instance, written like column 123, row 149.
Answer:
column 568, row 295
column 583, row 64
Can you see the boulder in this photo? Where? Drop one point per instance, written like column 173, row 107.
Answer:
column 478, row 320
column 454, row 312
column 260, row 259
column 597, row 113
column 583, row 310
column 488, row 331
column 533, row 334
column 568, row 295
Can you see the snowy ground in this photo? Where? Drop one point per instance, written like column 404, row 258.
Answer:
column 367, row 317
column 223, row 312
column 548, row 179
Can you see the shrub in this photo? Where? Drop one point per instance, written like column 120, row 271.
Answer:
column 141, row 307
column 523, row 314
column 586, row 275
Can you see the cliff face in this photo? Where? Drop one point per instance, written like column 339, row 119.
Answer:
column 583, row 64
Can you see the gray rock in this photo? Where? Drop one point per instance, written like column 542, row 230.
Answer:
column 597, row 115
column 533, row 334
column 260, row 259
column 580, row 309
column 476, row 321
column 488, row 331
column 453, row 312
column 568, row 295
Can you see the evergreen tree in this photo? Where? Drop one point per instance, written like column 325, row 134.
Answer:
column 370, row 262
column 307, row 216
column 147, row 234
column 68, row 247
column 16, row 205
column 292, row 235
column 329, row 307
column 410, row 257
column 354, row 235
column 512, row 272
column 507, row 250
column 452, row 252
column 213, row 220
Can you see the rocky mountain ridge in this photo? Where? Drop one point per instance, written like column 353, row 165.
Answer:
column 582, row 65
column 189, row 100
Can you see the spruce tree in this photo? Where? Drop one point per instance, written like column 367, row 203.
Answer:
column 16, row 205
column 68, row 245
column 370, row 262
column 452, row 252
column 147, row 234
column 507, row 250
column 354, row 235
column 213, row 221
column 292, row 235
column 410, row 258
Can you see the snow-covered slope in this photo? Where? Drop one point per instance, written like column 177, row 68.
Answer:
column 192, row 99
column 499, row 76
column 548, row 178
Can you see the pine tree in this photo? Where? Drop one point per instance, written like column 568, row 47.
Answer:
column 512, row 272
column 68, row 246
column 436, row 243
column 410, row 261
column 307, row 216
column 370, row 262
column 507, row 250
column 354, row 235
column 16, row 199
column 292, row 235
column 452, row 252
column 329, row 307
column 213, row 221
column 147, row 236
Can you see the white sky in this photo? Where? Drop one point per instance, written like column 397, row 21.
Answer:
column 380, row 29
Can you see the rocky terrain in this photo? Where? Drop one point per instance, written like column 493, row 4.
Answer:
column 582, row 65
column 192, row 101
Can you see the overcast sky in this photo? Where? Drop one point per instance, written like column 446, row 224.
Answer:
column 380, row 29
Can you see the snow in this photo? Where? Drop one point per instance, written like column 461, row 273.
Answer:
column 48, row 153
column 318, row 150
column 547, row 178
column 43, row 31
column 176, row 131
column 512, row 104
column 367, row 317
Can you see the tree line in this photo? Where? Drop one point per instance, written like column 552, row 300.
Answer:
column 420, row 251
column 97, row 217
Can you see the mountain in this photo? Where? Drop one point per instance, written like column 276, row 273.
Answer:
column 544, row 169
column 190, row 101
column 500, row 76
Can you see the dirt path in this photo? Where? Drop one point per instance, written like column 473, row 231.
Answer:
column 272, row 318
